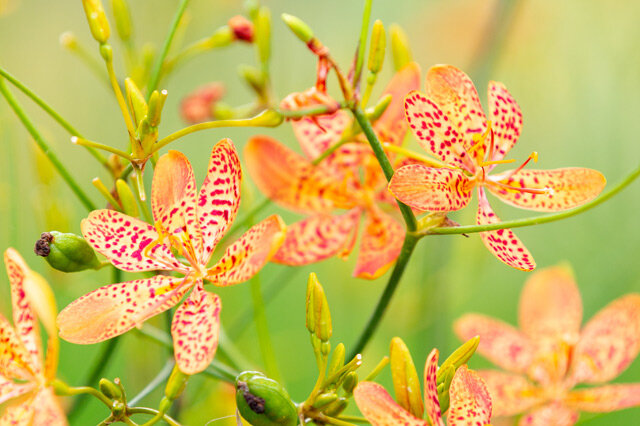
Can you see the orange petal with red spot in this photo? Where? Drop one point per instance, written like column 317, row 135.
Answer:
column 391, row 126
column 244, row 258
column 25, row 321
column 288, row 178
column 15, row 360
column 470, row 399
column 604, row 399
column 435, row 132
column 195, row 330
column 317, row 238
column 511, row 394
column 380, row 246
column 114, row 309
column 502, row 243
column 219, row 196
column 124, row 240
column 566, row 188
column 48, row 410
column 20, row 414
column 501, row 343
column 431, row 401
column 377, row 406
column 174, row 198
column 609, row 342
column 10, row 389
column 506, row 119
column 430, row 189
column 554, row 413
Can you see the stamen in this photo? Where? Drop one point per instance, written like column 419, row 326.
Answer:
column 489, row 163
column 533, row 156
column 520, row 189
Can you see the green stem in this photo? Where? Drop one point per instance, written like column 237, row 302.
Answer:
column 387, row 168
column 264, row 338
column 408, row 246
column 362, row 44
column 85, row 390
column 157, row 415
column 311, row 111
column 97, row 145
column 157, row 68
column 518, row 223
column 128, row 121
column 53, row 113
column 158, row 380
column 44, row 146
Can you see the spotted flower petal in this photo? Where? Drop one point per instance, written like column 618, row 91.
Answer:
column 195, row 330
column 431, row 189
column 380, row 409
column 10, row 389
column 511, row 394
column 174, row 199
column 470, row 399
column 501, row 343
column 605, row 398
column 125, row 241
column 567, row 188
column 20, row 414
column 431, row 401
column 288, row 178
column 48, row 409
column 502, row 243
column 610, row 341
column 380, row 246
column 114, row 309
column 506, row 119
column 553, row 413
column 249, row 253
column 219, row 196
column 318, row 237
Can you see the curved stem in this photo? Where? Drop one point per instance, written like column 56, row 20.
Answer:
column 311, row 111
column 157, row 68
column 53, row 113
column 44, row 146
column 408, row 246
column 157, row 415
column 518, row 223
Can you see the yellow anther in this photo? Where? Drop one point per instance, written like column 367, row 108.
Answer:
column 489, row 163
column 534, row 156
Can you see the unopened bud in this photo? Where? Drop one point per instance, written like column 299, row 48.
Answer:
column 106, row 51
column 336, row 407
column 318, row 315
column 252, row 7
column 176, row 384
column 127, row 199
column 197, row 106
column 254, row 78
column 337, row 360
column 66, row 252
column 263, row 34
column 136, row 100
column 110, row 390
column 123, row 19
column 242, row 28
column 299, row 27
column 98, row 23
column 377, row 49
column 156, row 103
column 264, row 402
column 325, row 399
column 222, row 111
column 374, row 112
column 405, row 378
column 443, row 388
column 350, row 382
column 68, row 40
column 399, row 47
column 459, row 357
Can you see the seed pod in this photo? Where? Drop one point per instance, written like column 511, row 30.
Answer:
column 264, row 402
column 325, row 399
column 66, row 252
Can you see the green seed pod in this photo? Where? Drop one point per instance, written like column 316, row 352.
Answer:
column 109, row 389
column 66, row 252
column 336, row 407
column 264, row 402
column 97, row 19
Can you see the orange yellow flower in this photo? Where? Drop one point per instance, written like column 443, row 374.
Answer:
column 321, row 190
column 191, row 224
column 551, row 353
column 24, row 375
column 450, row 123
column 470, row 403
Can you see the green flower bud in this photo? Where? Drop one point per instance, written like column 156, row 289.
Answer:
column 377, row 49
column 337, row 360
column 127, row 199
column 325, row 399
column 374, row 112
column 98, row 23
column 66, row 252
column 68, row 40
column 254, row 78
column 405, row 378
column 264, row 402
column 459, row 357
column 123, row 19
column 109, row 389
column 156, row 103
column 443, row 388
column 263, row 34
column 350, row 381
column 299, row 27
column 318, row 315
column 399, row 47
column 336, row 407
column 106, row 51
column 176, row 384
column 136, row 100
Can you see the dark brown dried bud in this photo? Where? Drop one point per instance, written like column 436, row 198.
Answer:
column 42, row 245
column 254, row 402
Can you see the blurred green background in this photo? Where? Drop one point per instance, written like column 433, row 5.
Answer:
column 573, row 67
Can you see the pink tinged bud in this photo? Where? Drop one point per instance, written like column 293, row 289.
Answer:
column 198, row 106
column 242, row 28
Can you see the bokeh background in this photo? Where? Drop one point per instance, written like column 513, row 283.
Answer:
column 573, row 66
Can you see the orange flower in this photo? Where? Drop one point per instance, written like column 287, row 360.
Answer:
column 550, row 354
column 319, row 190
column 24, row 375
column 191, row 224
column 470, row 403
column 450, row 123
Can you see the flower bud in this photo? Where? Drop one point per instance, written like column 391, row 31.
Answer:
column 336, row 407
column 106, row 51
column 459, row 357
column 443, row 388
column 405, row 378
column 110, row 390
column 337, row 360
column 262, row 401
column 299, row 27
column 377, row 49
column 197, row 106
column 156, row 103
column 399, row 47
column 66, row 252
column 127, row 199
column 68, row 40
column 318, row 315
column 350, row 381
column 325, row 399
column 176, row 384
column 98, row 23
column 252, row 7
column 378, row 109
column 263, row 34
column 137, row 103
column 254, row 78
column 123, row 19
column 242, row 28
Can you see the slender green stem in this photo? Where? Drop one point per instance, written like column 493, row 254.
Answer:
column 53, row 113
column 311, row 111
column 262, row 328
column 91, row 63
column 353, row 419
column 408, row 246
column 387, row 168
column 84, row 142
column 86, row 390
column 106, row 194
column 158, row 380
column 120, row 98
column 160, row 416
column 157, row 68
column 362, row 44
column 518, row 223
column 44, row 146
